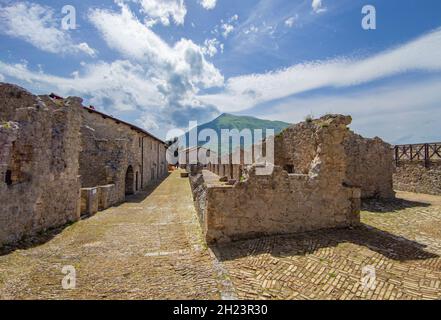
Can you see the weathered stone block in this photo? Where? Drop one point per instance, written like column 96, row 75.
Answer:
column 90, row 199
column 106, row 196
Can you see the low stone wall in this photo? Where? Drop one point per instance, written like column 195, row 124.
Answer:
column 414, row 176
column 98, row 198
column 280, row 202
column 39, row 146
column 275, row 204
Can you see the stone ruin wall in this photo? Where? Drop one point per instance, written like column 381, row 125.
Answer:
column 39, row 146
column 282, row 203
column 109, row 148
column 369, row 165
column 414, row 176
column 59, row 161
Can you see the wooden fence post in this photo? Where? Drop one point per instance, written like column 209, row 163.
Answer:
column 426, row 155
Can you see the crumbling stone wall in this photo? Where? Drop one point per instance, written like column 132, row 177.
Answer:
column 50, row 147
column 39, row 146
column 369, row 163
column 370, row 166
column 296, row 147
column 414, row 176
column 281, row 202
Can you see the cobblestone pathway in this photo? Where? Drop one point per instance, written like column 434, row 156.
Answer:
column 400, row 240
column 150, row 248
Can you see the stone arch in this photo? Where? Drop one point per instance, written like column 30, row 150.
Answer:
column 130, row 180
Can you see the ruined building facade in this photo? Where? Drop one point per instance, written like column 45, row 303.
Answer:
column 314, row 183
column 59, row 159
column 116, row 159
column 369, row 162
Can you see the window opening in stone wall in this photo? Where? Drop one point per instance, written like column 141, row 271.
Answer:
column 8, row 177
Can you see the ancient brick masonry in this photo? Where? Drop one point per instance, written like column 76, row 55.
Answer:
column 284, row 202
column 39, row 146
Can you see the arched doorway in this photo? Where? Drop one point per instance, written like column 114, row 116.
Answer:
column 129, row 180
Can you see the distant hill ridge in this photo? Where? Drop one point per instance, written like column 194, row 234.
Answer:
column 229, row 121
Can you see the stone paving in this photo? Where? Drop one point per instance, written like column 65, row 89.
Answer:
column 400, row 240
column 148, row 248
column 152, row 248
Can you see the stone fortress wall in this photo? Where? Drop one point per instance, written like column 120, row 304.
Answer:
column 59, row 160
column 307, row 190
column 39, row 147
column 416, row 176
column 117, row 157
column 418, row 168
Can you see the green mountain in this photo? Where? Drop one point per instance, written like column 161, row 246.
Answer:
column 229, row 121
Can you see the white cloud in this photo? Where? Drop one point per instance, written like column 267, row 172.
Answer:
column 179, row 71
column 84, row 47
column 208, row 4
column 155, row 83
column 251, row 29
column 317, row 6
column 212, row 47
column 101, row 81
column 120, row 88
column 124, row 33
column 162, row 11
column 387, row 111
column 244, row 92
column 234, row 18
column 2, row 78
column 227, row 29
column 290, row 22
column 37, row 25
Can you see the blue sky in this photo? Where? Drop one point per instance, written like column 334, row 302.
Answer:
column 161, row 63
